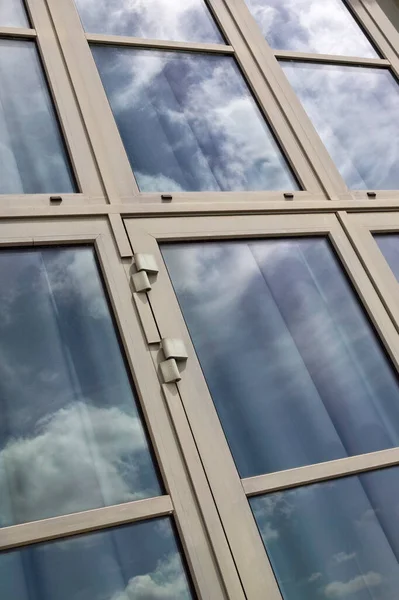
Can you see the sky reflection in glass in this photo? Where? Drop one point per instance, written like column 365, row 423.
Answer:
column 295, row 370
column 388, row 243
column 140, row 562
column 13, row 14
column 175, row 20
column 337, row 540
column 315, row 26
column 33, row 159
column 71, row 438
column 189, row 122
column 354, row 110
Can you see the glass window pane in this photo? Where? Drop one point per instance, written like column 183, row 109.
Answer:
column 32, row 152
column 13, row 14
column 295, row 369
column 134, row 562
column 319, row 27
column 71, row 436
column 389, row 246
column 334, row 541
column 178, row 20
column 189, row 122
column 354, row 110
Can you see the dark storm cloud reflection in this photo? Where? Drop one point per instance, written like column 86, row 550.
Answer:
column 189, row 123
column 337, row 540
column 32, row 152
column 139, row 562
column 178, row 20
column 71, row 438
column 354, row 110
column 295, row 370
column 316, row 26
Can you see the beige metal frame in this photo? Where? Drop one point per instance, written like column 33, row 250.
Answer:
column 229, row 491
column 206, row 549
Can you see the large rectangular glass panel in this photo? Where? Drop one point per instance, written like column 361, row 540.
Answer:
column 13, row 14
column 354, row 110
column 389, row 246
column 337, row 540
column 176, row 20
column 134, row 562
column 189, row 122
column 71, row 436
column 295, row 369
column 32, row 153
column 316, row 26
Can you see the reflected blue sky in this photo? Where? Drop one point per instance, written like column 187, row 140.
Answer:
column 71, row 438
column 295, row 370
column 317, row 26
column 189, row 122
column 178, row 20
column 337, row 540
column 13, row 14
column 32, row 153
column 354, row 110
column 134, row 562
column 388, row 243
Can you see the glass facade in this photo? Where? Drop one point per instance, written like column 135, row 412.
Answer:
column 199, row 315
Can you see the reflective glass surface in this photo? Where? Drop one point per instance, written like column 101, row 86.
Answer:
column 32, row 153
column 334, row 541
column 294, row 367
column 134, row 562
column 316, row 26
column 176, row 20
column 71, row 438
column 389, row 246
column 354, row 110
column 13, row 14
column 189, row 122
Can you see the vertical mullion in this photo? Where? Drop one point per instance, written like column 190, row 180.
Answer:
column 303, row 144
column 113, row 163
column 73, row 133
column 380, row 29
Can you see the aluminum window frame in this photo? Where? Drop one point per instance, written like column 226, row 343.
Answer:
column 188, row 498
column 145, row 235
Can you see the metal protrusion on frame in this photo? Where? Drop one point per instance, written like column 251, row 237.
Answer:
column 372, row 194
column 146, row 262
column 170, row 371
column 56, row 199
column 140, row 281
column 167, row 197
column 174, row 348
column 289, row 195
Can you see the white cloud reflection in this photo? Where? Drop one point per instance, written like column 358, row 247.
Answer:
column 179, row 20
column 343, row 589
column 319, row 26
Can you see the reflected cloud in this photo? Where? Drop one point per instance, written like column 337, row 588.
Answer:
column 176, row 20
column 12, row 14
column 343, row 557
column 189, row 122
column 354, row 111
column 32, row 152
column 167, row 582
column 324, row 27
column 340, row 589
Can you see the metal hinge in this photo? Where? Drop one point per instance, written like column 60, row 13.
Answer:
column 175, row 354
column 145, row 265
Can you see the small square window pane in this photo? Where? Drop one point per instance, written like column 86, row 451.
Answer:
column 189, row 122
column 33, row 159
column 133, row 562
column 315, row 26
column 389, row 246
column 337, row 540
column 176, row 20
column 13, row 14
column 71, row 435
column 354, row 110
column 295, row 369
